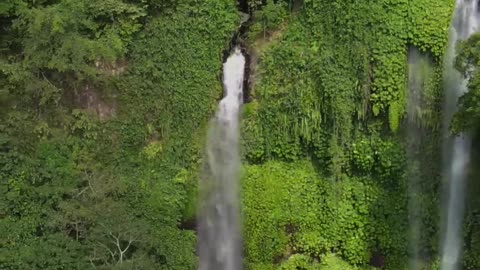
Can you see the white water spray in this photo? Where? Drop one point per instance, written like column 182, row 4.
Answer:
column 219, row 240
column 456, row 150
column 419, row 71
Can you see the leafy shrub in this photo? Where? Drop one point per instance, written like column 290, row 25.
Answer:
column 288, row 209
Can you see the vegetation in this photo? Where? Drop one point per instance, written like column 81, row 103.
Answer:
column 468, row 116
column 466, row 120
column 98, row 103
column 104, row 107
column 332, row 89
column 306, row 214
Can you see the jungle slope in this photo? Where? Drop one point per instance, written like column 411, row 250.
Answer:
column 103, row 112
column 329, row 99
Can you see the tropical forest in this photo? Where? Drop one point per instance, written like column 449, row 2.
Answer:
column 239, row 134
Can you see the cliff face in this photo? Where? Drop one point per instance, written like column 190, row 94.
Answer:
column 331, row 87
column 104, row 105
column 104, row 108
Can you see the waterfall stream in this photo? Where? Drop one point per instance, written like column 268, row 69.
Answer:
column 419, row 70
column 219, row 240
column 456, row 150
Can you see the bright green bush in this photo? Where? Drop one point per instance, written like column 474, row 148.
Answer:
column 288, row 209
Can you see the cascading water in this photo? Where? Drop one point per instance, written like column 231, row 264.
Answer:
column 219, row 240
column 456, row 150
column 418, row 72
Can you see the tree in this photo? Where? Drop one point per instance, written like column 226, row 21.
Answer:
column 468, row 63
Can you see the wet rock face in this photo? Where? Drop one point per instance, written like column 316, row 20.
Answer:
column 243, row 6
column 90, row 100
column 238, row 40
column 297, row 5
column 246, row 79
column 89, row 97
column 377, row 260
column 112, row 68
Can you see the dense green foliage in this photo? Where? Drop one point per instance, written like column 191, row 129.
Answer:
column 467, row 120
column 331, row 86
column 103, row 112
column 339, row 70
column 468, row 116
column 103, row 109
column 290, row 209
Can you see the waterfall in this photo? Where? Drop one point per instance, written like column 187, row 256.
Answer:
column 219, row 240
column 419, row 70
column 456, row 150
